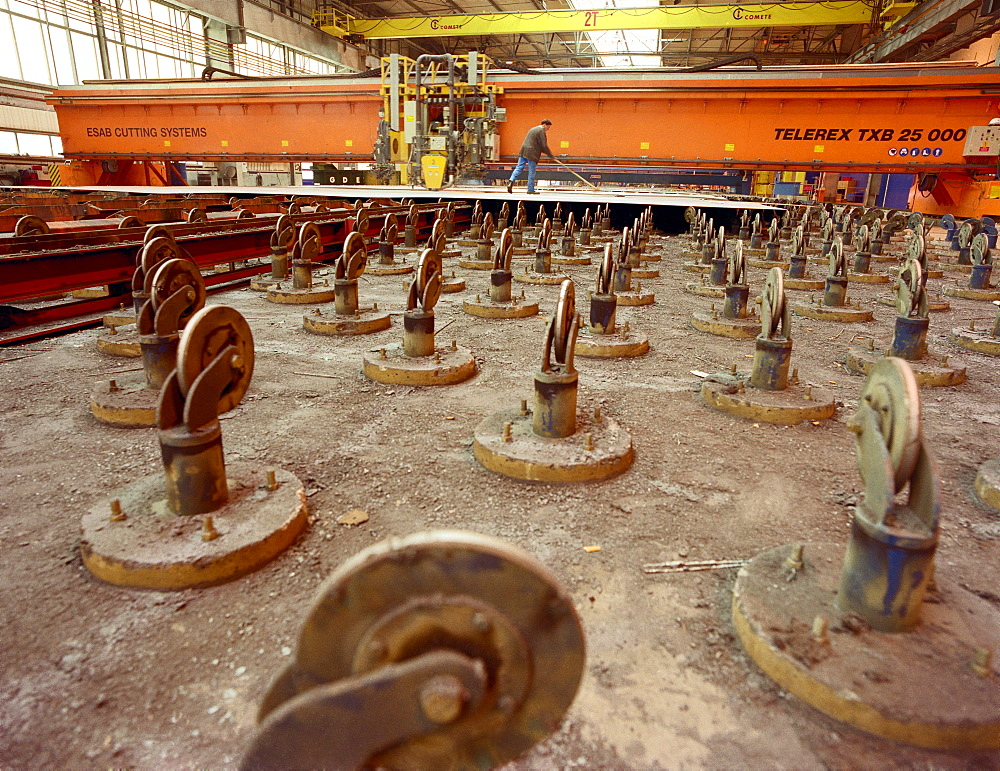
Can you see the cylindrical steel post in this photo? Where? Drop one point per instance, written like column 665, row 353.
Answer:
column 500, row 286
column 409, row 236
column 159, row 357
column 910, row 339
column 717, row 276
column 566, row 246
column 517, row 238
column 194, row 469
column 707, row 253
column 555, row 404
column 862, row 262
column 797, row 269
column 602, row 313
column 744, row 233
column 279, row 262
column 735, row 306
column 756, row 240
column 345, row 296
column 836, row 292
column 138, row 300
column 886, row 236
column 825, row 248
column 964, row 255
column 543, row 261
column 875, row 247
column 584, row 238
column 418, row 333
column 770, row 364
column 772, row 250
column 301, row 274
column 449, row 228
column 475, row 230
column 386, row 252
column 483, row 249
column 623, row 278
column 980, row 278
column 886, row 572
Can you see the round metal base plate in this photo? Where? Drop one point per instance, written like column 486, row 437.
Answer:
column 551, row 279
column 263, row 283
column 594, row 346
column 717, row 324
column 388, row 270
column 560, row 260
column 868, row 278
column 490, row 310
column 642, row 273
column 804, row 284
column 934, row 306
column 364, row 323
column 786, row 408
column 914, row 687
column 119, row 318
column 988, row 483
column 982, row 295
column 155, row 549
column 954, row 266
column 124, row 341
column 398, row 368
column 826, row 313
column 476, row 264
column 930, row 371
column 696, row 267
column 768, row 264
column 133, row 405
column 322, row 294
column 980, row 342
column 540, row 459
column 705, row 290
column 635, row 298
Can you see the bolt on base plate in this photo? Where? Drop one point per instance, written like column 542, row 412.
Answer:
column 263, row 283
column 827, row 313
column 980, row 342
column 124, row 342
column 321, row 294
column 594, row 346
column 982, row 295
column 548, row 279
column 934, row 306
column 635, row 298
column 364, row 323
column 914, row 687
column 487, row 309
column 987, row 483
column 804, row 284
column 705, row 290
column 131, row 405
column 152, row 548
column 388, row 270
column 785, row 408
column 454, row 366
column 717, row 324
column 930, row 371
column 535, row 458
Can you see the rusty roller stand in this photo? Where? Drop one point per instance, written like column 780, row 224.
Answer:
column 703, row 252
column 198, row 523
column 978, row 287
column 910, row 337
column 916, row 248
column 387, row 238
column 627, row 293
column 303, row 291
column 735, row 320
column 440, row 650
column 120, row 336
column 696, row 233
column 981, row 341
column 411, row 231
column 567, row 246
column 503, row 217
column 176, row 292
column 636, row 255
column 772, row 250
column 769, row 394
column 282, row 241
column 551, row 442
column 501, row 304
column 603, row 339
column 541, row 270
column 713, row 283
column 862, row 273
column 484, row 248
column 834, row 306
column 349, row 318
column 798, row 278
column 649, row 239
column 417, row 361
column 519, row 231
column 885, row 643
column 586, row 232
column 437, row 242
column 475, row 232
column 444, row 223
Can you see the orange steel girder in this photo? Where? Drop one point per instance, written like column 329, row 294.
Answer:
column 876, row 120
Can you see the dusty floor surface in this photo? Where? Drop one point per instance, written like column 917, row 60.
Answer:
column 97, row 676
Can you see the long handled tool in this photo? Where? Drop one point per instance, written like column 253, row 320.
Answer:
column 575, row 174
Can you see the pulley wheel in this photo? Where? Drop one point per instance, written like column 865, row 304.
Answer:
column 210, row 331
column 30, row 225
column 157, row 251
column 175, row 274
column 505, row 250
column 915, row 247
column 355, row 256
column 892, row 391
column 911, row 284
column 772, row 301
column 157, row 231
column 429, row 279
column 456, row 591
column 563, row 318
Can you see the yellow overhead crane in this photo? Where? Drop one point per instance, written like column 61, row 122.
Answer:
column 793, row 14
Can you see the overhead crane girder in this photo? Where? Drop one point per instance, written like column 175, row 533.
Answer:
column 728, row 15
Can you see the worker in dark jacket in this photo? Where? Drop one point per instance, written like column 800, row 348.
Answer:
column 529, row 154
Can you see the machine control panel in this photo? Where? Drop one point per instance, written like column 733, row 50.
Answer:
column 982, row 141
